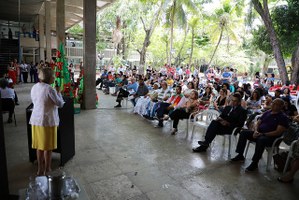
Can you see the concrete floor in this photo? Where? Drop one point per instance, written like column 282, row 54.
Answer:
column 120, row 155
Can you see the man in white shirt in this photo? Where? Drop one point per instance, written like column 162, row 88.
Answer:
column 24, row 72
column 112, row 69
column 121, row 69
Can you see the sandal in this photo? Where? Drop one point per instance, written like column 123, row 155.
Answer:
column 285, row 181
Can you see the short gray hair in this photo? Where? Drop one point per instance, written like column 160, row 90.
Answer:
column 45, row 74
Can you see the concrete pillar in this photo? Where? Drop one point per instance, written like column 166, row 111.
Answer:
column 41, row 33
column 48, row 30
column 33, row 55
column 60, row 22
column 21, row 58
column 89, row 57
column 4, row 192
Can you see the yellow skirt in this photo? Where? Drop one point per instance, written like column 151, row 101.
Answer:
column 44, row 138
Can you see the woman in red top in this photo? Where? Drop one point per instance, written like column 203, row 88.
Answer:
column 12, row 73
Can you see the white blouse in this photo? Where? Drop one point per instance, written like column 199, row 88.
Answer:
column 7, row 93
column 45, row 105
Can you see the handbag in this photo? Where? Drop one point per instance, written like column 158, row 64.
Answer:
column 280, row 160
column 291, row 134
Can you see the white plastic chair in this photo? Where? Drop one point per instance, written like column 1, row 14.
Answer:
column 271, row 150
column 234, row 134
column 296, row 101
column 188, row 121
column 203, row 119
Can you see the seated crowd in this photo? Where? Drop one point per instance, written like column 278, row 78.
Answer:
column 164, row 94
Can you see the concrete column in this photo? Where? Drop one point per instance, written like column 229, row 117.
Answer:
column 48, row 30
column 4, row 192
column 21, row 55
column 33, row 55
column 89, row 57
column 60, row 22
column 41, row 32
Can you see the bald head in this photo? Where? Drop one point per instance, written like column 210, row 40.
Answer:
column 277, row 105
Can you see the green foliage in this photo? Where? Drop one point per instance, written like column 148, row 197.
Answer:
column 286, row 23
column 254, row 68
column 261, row 40
column 117, row 61
column 202, row 40
column 76, row 30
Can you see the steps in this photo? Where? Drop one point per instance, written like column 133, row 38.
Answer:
column 9, row 49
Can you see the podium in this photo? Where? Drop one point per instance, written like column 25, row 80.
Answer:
column 65, row 132
column 4, row 189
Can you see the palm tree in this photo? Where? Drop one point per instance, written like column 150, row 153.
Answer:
column 193, row 24
column 176, row 14
column 226, row 22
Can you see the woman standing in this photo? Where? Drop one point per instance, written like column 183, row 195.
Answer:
column 44, row 119
column 12, row 73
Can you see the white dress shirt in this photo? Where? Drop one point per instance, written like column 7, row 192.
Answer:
column 7, row 93
column 45, row 105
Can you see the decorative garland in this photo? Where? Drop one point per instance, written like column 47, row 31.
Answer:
column 62, row 75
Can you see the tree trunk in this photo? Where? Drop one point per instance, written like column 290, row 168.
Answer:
column 179, row 59
column 123, row 41
column 265, row 15
column 118, row 49
column 295, row 65
column 220, row 37
column 146, row 42
column 192, row 46
column 167, row 53
column 171, row 32
column 142, row 53
column 266, row 63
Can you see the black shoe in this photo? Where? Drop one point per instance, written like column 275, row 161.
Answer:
column 252, row 167
column 151, row 118
column 160, row 125
column 117, row 106
column 9, row 120
column 203, row 143
column 17, row 103
column 145, row 116
column 200, row 149
column 174, row 131
column 239, row 157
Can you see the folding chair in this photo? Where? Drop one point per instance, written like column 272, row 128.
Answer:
column 8, row 105
column 271, row 150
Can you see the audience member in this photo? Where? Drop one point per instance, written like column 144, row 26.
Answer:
column 232, row 116
column 270, row 126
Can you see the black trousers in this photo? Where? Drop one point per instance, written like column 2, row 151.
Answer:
column 162, row 109
column 122, row 93
column 8, row 105
column 178, row 114
column 25, row 76
column 216, row 128
column 31, row 77
column 261, row 143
